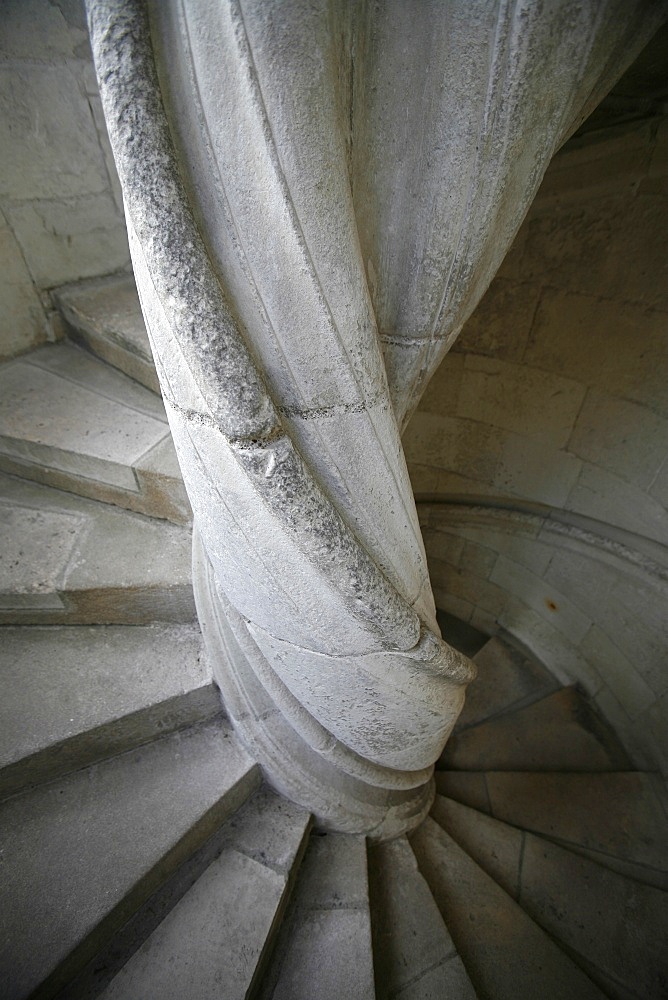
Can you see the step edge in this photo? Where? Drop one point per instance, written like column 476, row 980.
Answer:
column 199, row 704
column 118, row 916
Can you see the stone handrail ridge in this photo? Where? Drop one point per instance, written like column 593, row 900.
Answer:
column 213, row 348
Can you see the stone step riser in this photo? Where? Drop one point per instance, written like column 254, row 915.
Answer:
column 575, row 810
column 613, row 926
column 506, row 954
column 74, row 696
column 68, row 560
column 105, row 317
column 83, row 855
column 117, row 737
column 70, row 421
column 223, row 926
column 325, row 947
column 414, row 955
column 559, row 732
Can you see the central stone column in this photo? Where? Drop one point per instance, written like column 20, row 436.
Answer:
column 317, row 195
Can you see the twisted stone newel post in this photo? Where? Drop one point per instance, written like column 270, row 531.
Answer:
column 317, row 196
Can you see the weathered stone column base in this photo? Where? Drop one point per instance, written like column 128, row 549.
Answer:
column 299, row 758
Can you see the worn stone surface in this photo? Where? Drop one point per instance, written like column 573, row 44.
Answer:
column 414, row 957
column 24, row 319
column 513, row 397
column 508, row 955
column 217, row 935
column 68, row 560
column 496, row 847
column 557, row 733
column 82, row 854
column 75, row 695
column 58, row 191
column 68, row 238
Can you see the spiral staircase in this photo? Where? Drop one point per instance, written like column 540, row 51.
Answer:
column 143, row 857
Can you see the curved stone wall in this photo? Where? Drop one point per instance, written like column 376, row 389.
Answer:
column 557, row 389
column 553, row 404
column 586, row 599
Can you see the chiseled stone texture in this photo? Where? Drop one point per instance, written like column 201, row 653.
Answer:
column 296, row 308
column 58, row 189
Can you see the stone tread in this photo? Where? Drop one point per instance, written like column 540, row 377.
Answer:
column 560, row 732
column 616, row 818
column 105, row 316
column 73, row 695
column 325, row 946
column 506, row 954
column 215, row 940
column 70, row 421
column 616, row 927
column 80, row 856
column 414, row 955
column 507, row 679
column 68, row 560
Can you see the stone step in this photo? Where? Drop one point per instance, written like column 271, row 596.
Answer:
column 414, row 956
column 616, row 927
column 104, row 315
column 617, row 819
column 74, row 695
column 68, row 560
column 217, row 938
column 324, row 949
column 81, row 855
column 70, row 421
column 461, row 635
column 506, row 954
column 507, row 680
column 558, row 733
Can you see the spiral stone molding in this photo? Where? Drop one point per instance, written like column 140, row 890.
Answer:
column 317, row 196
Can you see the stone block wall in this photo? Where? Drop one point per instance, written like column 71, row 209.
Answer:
column 555, row 400
column 557, row 389
column 61, row 214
